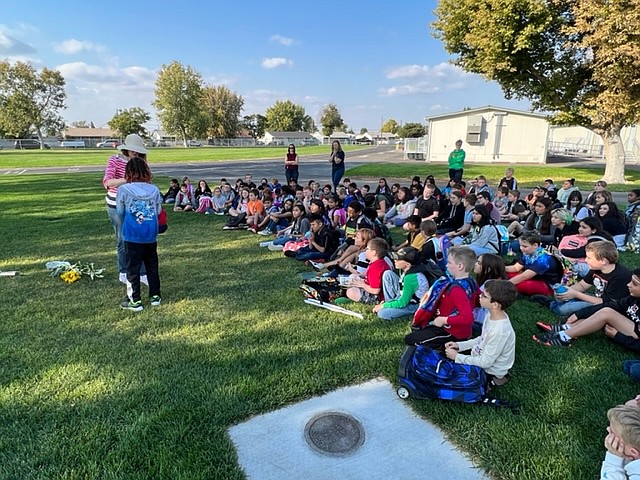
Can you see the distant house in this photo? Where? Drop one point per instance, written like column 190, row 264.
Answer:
column 285, row 138
column 90, row 136
column 489, row 134
column 342, row 137
column 383, row 138
column 363, row 138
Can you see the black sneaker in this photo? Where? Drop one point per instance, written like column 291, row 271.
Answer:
column 541, row 299
column 551, row 327
column 131, row 305
column 551, row 340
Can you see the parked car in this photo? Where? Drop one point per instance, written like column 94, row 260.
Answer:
column 194, row 143
column 29, row 144
column 109, row 143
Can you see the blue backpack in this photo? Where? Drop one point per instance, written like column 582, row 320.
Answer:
column 427, row 374
column 503, row 239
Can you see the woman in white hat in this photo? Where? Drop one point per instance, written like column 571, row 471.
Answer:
column 133, row 146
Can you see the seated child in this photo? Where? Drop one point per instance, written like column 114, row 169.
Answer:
column 218, row 201
column 622, row 443
column 488, row 267
column 606, row 276
column 369, row 290
column 185, row 201
column 322, row 241
column 446, row 312
column 495, row 349
column 430, row 248
column 402, row 293
column 255, row 211
column 352, row 260
column 172, row 193
column 297, row 230
column 616, row 317
column 413, row 230
column 276, row 218
column 536, row 270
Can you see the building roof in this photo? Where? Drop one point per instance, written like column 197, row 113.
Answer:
column 488, row 108
column 87, row 132
column 289, row 134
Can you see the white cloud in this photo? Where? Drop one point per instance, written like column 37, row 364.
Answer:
column 73, row 46
column 287, row 42
column 10, row 46
column 425, row 79
column 438, row 108
column 94, row 92
column 275, row 62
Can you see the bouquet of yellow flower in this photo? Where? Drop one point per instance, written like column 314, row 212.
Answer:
column 72, row 272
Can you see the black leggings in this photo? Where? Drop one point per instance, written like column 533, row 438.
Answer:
column 430, row 336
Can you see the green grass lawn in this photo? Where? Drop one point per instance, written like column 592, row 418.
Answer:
column 90, row 391
column 527, row 175
column 98, row 156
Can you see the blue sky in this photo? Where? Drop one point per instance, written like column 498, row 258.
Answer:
column 375, row 60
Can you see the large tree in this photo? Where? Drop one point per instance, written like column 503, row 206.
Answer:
column 254, row 124
column 330, row 119
column 221, row 110
column 30, row 101
column 179, row 101
column 579, row 60
column 129, row 121
column 286, row 116
column 411, row 130
column 390, row 126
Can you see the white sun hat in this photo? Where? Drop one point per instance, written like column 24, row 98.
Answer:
column 134, row 143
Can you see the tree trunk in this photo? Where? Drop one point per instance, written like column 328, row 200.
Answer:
column 614, row 156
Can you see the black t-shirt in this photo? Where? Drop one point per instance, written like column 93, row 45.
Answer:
column 610, row 286
column 426, row 207
column 337, row 166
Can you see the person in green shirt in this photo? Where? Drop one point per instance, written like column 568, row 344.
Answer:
column 456, row 162
column 402, row 294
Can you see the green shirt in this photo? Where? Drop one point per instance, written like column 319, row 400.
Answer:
column 414, row 286
column 456, row 159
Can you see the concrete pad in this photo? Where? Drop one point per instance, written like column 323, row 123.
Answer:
column 397, row 442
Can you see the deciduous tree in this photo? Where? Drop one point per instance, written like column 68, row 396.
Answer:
column 286, row 116
column 330, row 119
column 390, row 126
column 578, row 60
column 254, row 124
column 179, row 101
column 221, row 110
column 129, row 121
column 411, row 130
column 30, row 100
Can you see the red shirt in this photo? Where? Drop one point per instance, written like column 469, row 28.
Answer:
column 374, row 275
column 454, row 298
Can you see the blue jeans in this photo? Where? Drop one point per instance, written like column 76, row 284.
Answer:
column 632, row 368
column 291, row 175
column 391, row 290
column 565, row 309
column 284, row 239
column 306, row 253
column 336, row 175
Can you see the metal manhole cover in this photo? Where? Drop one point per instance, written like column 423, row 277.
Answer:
column 334, row 433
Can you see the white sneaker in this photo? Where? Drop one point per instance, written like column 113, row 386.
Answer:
column 275, row 248
column 122, row 277
column 391, row 225
column 265, row 244
column 144, row 279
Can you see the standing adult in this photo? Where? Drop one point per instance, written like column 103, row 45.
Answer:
column 291, row 164
column 337, row 163
column 133, row 146
column 456, row 162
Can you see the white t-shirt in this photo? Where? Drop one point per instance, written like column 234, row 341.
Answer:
column 494, row 350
